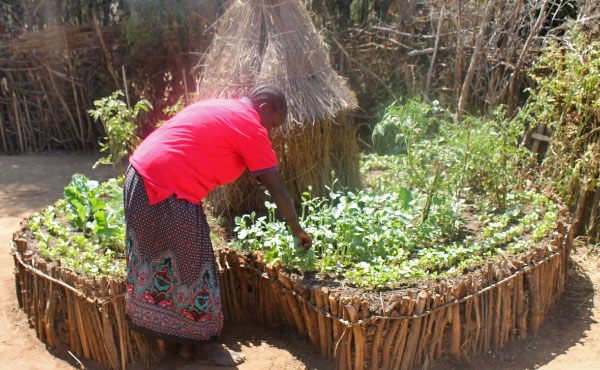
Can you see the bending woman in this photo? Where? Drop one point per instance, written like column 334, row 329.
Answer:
column 172, row 281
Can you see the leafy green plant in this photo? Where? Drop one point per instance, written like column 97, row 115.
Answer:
column 446, row 158
column 566, row 100
column 85, row 230
column 405, row 125
column 177, row 107
column 120, row 126
column 374, row 240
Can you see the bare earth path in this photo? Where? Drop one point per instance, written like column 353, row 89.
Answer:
column 569, row 339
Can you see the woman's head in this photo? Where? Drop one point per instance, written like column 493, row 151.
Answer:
column 270, row 103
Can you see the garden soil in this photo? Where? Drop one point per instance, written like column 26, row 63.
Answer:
column 570, row 337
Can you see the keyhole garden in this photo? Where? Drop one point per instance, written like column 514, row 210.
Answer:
column 447, row 235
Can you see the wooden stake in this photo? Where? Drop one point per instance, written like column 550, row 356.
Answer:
column 456, row 327
column 338, row 328
column 323, row 340
column 497, row 314
column 466, row 87
column 307, row 314
column 535, row 304
column 407, row 357
column 478, row 324
column 293, row 305
column 121, row 325
column 73, row 332
column 329, row 324
column 18, row 122
column 390, row 337
column 79, row 119
column 435, row 52
column 348, row 342
column 377, row 340
column 49, row 316
column 39, row 316
column 81, row 328
column 431, row 320
column 358, row 334
column 109, row 338
column 3, row 135
column 185, row 88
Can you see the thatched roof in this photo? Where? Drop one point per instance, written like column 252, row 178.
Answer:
column 274, row 41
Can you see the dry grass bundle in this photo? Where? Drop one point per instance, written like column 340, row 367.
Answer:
column 273, row 41
column 270, row 41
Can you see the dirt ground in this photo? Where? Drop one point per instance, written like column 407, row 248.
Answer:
column 570, row 337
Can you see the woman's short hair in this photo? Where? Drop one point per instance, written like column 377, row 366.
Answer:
column 269, row 94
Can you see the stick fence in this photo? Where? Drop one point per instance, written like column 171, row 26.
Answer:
column 480, row 311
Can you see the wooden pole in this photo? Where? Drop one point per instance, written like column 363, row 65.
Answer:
column 185, row 89
column 18, row 122
column 109, row 65
column 466, row 87
column 534, row 32
column 405, row 356
column 125, row 85
column 79, row 117
column 2, row 134
column 434, row 56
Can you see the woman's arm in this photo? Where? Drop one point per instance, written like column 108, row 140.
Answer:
column 281, row 197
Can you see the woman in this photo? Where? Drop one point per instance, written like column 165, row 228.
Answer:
column 172, row 282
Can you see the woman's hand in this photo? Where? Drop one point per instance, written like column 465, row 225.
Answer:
column 304, row 240
column 281, row 197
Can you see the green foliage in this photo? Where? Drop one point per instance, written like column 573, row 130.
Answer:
column 410, row 220
column 120, row 125
column 567, row 100
column 85, row 230
column 177, row 107
column 403, row 126
column 377, row 239
column 477, row 155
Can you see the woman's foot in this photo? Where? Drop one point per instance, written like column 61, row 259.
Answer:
column 186, row 351
column 218, row 355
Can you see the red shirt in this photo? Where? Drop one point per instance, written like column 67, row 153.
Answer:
column 206, row 145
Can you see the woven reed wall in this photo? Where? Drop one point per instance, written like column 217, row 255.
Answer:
column 477, row 312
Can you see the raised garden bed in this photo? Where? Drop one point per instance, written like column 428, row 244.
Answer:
column 464, row 316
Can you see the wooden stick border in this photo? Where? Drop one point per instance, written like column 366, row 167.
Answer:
column 478, row 312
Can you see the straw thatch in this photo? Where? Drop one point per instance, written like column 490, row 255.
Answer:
column 273, row 41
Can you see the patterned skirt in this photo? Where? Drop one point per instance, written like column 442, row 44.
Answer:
column 172, row 282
